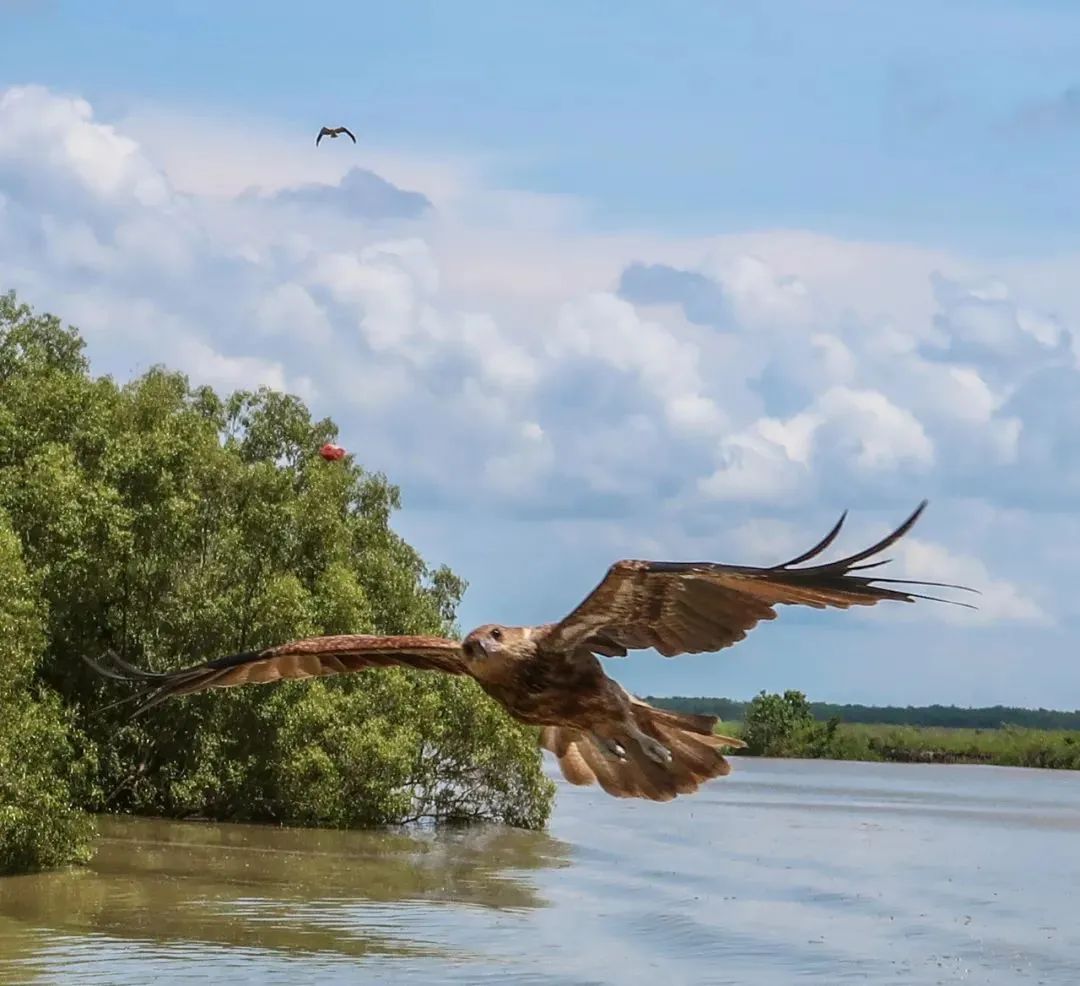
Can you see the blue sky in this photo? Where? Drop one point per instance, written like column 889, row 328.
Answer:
column 869, row 119
column 691, row 280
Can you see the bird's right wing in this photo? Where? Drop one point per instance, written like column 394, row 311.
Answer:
column 703, row 607
column 346, row 130
column 312, row 657
column 322, row 133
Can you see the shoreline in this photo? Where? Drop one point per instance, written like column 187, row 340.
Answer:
column 1008, row 746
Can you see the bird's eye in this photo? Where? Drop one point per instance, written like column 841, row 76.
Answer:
column 496, row 634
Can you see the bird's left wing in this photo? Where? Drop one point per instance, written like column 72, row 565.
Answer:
column 312, row 657
column 700, row 607
column 322, row 133
column 346, row 130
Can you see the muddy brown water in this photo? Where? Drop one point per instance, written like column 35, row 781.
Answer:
column 785, row 872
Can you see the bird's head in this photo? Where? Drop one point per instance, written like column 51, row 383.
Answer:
column 492, row 641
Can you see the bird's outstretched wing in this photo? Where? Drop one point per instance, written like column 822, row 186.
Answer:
column 326, row 131
column 346, row 130
column 313, row 657
column 700, row 607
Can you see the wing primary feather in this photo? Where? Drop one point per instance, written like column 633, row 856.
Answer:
column 134, row 697
column 819, row 547
column 155, row 698
column 130, row 672
column 939, row 585
column 846, row 563
column 869, row 564
column 939, row 599
column 104, row 671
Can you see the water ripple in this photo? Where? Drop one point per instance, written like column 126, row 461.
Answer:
column 788, row 870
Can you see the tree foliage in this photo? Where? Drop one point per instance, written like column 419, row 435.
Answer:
column 727, row 709
column 939, row 716
column 774, row 722
column 170, row 524
column 42, row 772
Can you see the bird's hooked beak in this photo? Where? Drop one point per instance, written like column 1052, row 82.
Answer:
column 475, row 649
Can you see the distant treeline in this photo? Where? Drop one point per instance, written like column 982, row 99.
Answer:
column 942, row 716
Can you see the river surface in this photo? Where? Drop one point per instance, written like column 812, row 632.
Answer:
column 784, row 872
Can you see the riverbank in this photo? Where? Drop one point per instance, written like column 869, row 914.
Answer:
column 1008, row 746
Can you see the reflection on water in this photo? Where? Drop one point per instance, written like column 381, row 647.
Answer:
column 190, row 889
column 787, row 870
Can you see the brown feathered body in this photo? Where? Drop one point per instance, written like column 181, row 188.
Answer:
column 551, row 676
column 598, row 732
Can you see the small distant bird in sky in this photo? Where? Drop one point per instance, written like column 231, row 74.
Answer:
column 551, row 675
column 334, row 133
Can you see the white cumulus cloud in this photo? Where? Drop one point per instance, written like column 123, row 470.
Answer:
column 490, row 350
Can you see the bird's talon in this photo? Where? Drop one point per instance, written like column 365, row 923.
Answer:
column 657, row 751
column 612, row 749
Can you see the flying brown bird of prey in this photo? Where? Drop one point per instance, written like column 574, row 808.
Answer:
column 333, row 133
column 550, row 675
